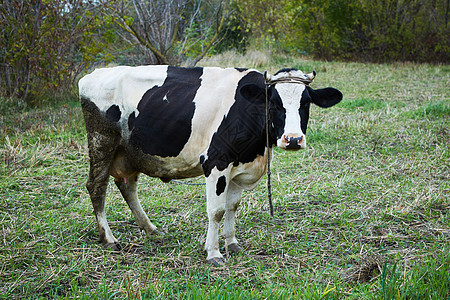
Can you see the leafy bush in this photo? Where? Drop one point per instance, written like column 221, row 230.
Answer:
column 46, row 44
column 365, row 30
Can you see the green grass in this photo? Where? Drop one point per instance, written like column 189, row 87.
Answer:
column 363, row 213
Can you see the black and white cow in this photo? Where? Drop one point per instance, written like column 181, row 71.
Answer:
column 174, row 123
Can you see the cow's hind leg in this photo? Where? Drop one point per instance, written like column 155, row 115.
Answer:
column 101, row 151
column 129, row 193
column 233, row 199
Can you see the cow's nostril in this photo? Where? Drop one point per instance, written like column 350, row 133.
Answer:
column 293, row 142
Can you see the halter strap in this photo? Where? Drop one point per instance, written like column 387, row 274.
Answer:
column 290, row 79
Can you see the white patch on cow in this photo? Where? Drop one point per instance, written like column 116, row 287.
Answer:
column 291, row 94
column 121, row 85
column 165, row 98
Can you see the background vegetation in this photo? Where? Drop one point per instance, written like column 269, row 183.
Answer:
column 46, row 44
column 361, row 30
column 363, row 213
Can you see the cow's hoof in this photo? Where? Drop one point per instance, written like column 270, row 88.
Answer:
column 112, row 246
column 216, row 262
column 234, row 248
column 158, row 232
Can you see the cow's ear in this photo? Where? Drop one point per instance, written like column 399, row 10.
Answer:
column 325, row 97
column 253, row 93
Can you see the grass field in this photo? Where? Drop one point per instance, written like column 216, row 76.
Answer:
column 363, row 213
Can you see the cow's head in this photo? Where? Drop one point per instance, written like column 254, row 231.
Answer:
column 290, row 97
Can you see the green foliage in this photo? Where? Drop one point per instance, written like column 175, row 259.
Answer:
column 268, row 21
column 195, row 41
column 368, row 30
column 234, row 33
column 46, row 44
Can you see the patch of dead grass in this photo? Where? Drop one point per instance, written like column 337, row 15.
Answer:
column 230, row 59
column 366, row 268
column 12, row 154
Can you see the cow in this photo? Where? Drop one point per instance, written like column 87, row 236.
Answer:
column 173, row 123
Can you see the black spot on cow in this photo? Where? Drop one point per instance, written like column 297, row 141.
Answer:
column 221, row 184
column 277, row 115
column 241, row 69
column 304, row 110
column 131, row 120
column 163, row 125
column 285, row 70
column 202, row 159
column 113, row 113
column 240, row 137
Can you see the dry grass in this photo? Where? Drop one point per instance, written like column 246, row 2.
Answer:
column 252, row 59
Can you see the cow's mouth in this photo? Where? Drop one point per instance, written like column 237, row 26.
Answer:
column 292, row 146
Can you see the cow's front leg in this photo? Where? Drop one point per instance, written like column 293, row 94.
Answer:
column 216, row 197
column 233, row 199
column 129, row 193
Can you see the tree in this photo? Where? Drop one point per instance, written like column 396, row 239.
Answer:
column 169, row 31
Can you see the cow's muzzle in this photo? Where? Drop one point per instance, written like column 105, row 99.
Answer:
column 292, row 143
